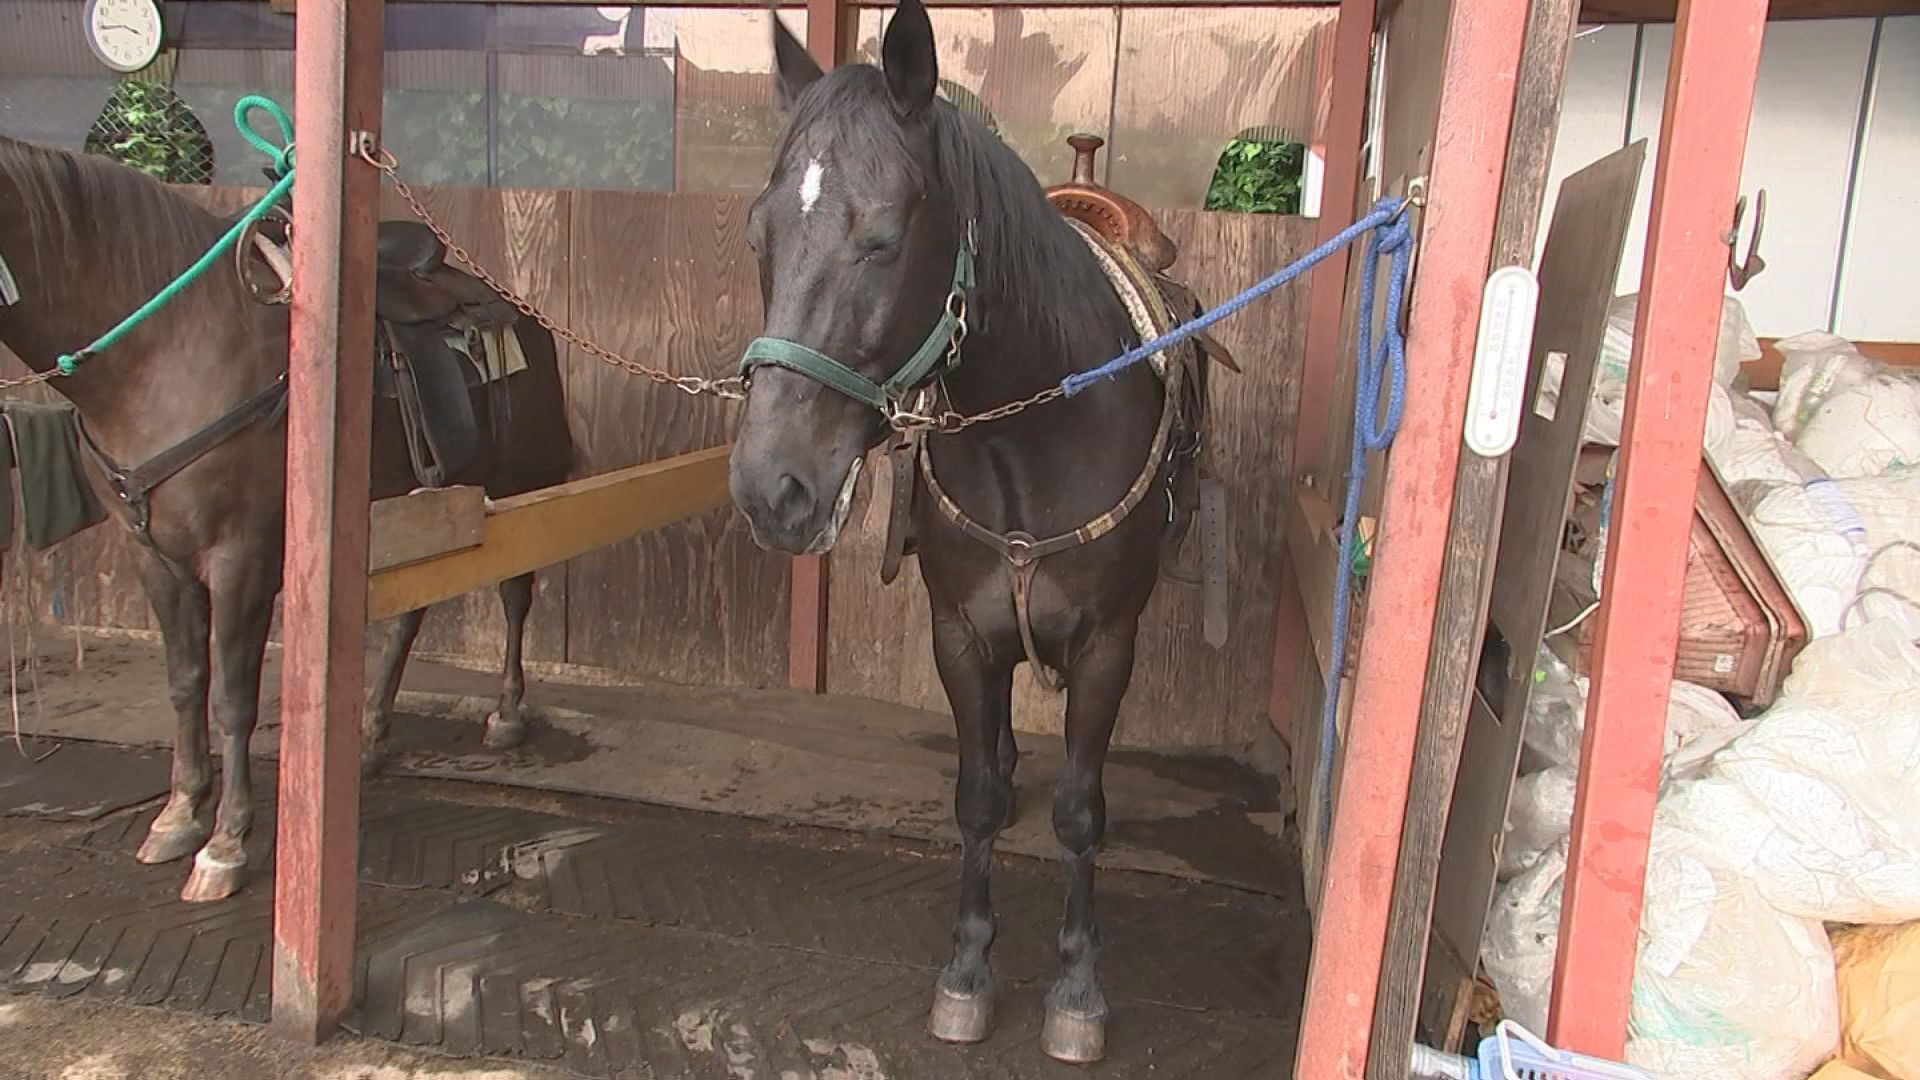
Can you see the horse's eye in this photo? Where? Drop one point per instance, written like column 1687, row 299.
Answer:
column 879, row 249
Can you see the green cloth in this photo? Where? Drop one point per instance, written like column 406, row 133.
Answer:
column 55, row 500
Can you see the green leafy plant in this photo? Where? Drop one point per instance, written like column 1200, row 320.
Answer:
column 148, row 127
column 1258, row 176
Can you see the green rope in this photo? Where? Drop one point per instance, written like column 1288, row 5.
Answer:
column 283, row 168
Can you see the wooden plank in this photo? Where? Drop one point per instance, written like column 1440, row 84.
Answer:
column 337, row 71
column 1764, row 373
column 1339, row 204
column 421, row 525
column 1703, row 131
column 1474, row 109
column 541, row 528
column 1184, row 692
column 1579, row 264
column 1655, row 11
column 1466, row 575
column 667, row 278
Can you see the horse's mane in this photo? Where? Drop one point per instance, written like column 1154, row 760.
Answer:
column 1031, row 261
column 138, row 232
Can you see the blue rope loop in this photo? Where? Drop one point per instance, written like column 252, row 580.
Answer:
column 1379, row 398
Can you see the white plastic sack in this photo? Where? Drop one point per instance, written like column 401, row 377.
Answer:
column 1852, row 416
column 1750, row 452
column 1736, row 345
column 1539, row 815
column 1807, row 817
column 1817, row 803
column 1842, row 547
column 1557, row 714
column 1724, row 985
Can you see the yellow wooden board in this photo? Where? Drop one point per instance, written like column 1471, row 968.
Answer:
column 552, row 525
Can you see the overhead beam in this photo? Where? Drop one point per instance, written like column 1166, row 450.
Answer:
column 527, row 532
column 337, row 75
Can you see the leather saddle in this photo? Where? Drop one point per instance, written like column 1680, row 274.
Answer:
column 433, row 320
column 435, row 325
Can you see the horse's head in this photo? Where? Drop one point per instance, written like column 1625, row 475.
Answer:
column 858, row 243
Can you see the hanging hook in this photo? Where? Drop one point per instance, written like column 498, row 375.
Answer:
column 1741, row 271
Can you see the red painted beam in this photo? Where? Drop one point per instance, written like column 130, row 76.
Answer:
column 337, row 75
column 1340, row 183
column 1703, row 137
column 1468, row 161
column 831, row 25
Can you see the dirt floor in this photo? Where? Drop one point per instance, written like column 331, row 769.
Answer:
column 507, row 931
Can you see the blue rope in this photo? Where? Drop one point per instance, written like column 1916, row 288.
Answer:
column 1385, row 213
column 1382, row 369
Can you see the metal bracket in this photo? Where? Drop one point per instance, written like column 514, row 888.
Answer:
column 1740, row 271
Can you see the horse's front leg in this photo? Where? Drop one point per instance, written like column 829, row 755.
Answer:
column 243, row 589
column 505, row 728
column 979, row 689
column 1076, row 1025
column 180, row 604
column 401, row 631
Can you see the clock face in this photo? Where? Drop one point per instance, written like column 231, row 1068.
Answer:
column 124, row 34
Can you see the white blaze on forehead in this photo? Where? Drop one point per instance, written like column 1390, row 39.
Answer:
column 810, row 185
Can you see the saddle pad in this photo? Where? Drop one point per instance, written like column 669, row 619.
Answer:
column 1144, row 304
column 43, row 443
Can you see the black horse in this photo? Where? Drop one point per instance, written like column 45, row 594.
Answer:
column 911, row 264
column 182, row 423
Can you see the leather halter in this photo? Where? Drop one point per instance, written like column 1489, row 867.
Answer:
column 938, row 354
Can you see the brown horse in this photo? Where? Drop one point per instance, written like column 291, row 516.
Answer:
column 904, row 250
column 185, row 438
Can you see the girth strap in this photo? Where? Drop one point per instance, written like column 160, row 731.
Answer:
column 134, row 485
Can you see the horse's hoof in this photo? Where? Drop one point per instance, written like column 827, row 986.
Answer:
column 960, row 1018
column 1074, row 1037
column 213, row 878
column 504, row 734
column 372, row 763
column 166, row 845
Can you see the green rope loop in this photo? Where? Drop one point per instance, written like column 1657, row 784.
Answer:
column 283, row 167
column 282, row 154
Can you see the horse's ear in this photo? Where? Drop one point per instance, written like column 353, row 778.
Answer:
column 794, row 67
column 908, row 58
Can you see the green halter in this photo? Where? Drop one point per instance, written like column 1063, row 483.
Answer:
column 937, row 355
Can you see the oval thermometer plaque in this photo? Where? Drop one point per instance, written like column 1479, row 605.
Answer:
column 1500, row 354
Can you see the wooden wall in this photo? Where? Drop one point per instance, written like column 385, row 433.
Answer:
column 667, row 279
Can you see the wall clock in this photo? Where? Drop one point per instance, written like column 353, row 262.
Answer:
column 124, row 34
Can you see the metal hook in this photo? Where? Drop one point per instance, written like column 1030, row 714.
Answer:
column 1740, row 271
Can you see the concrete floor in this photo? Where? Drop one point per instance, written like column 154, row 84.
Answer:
column 773, row 870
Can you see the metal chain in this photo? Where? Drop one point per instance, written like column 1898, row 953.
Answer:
column 732, row 388
column 34, row 379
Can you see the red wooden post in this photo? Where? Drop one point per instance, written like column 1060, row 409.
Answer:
column 1340, row 182
column 830, row 28
column 337, row 75
column 1703, row 137
column 1469, row 158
